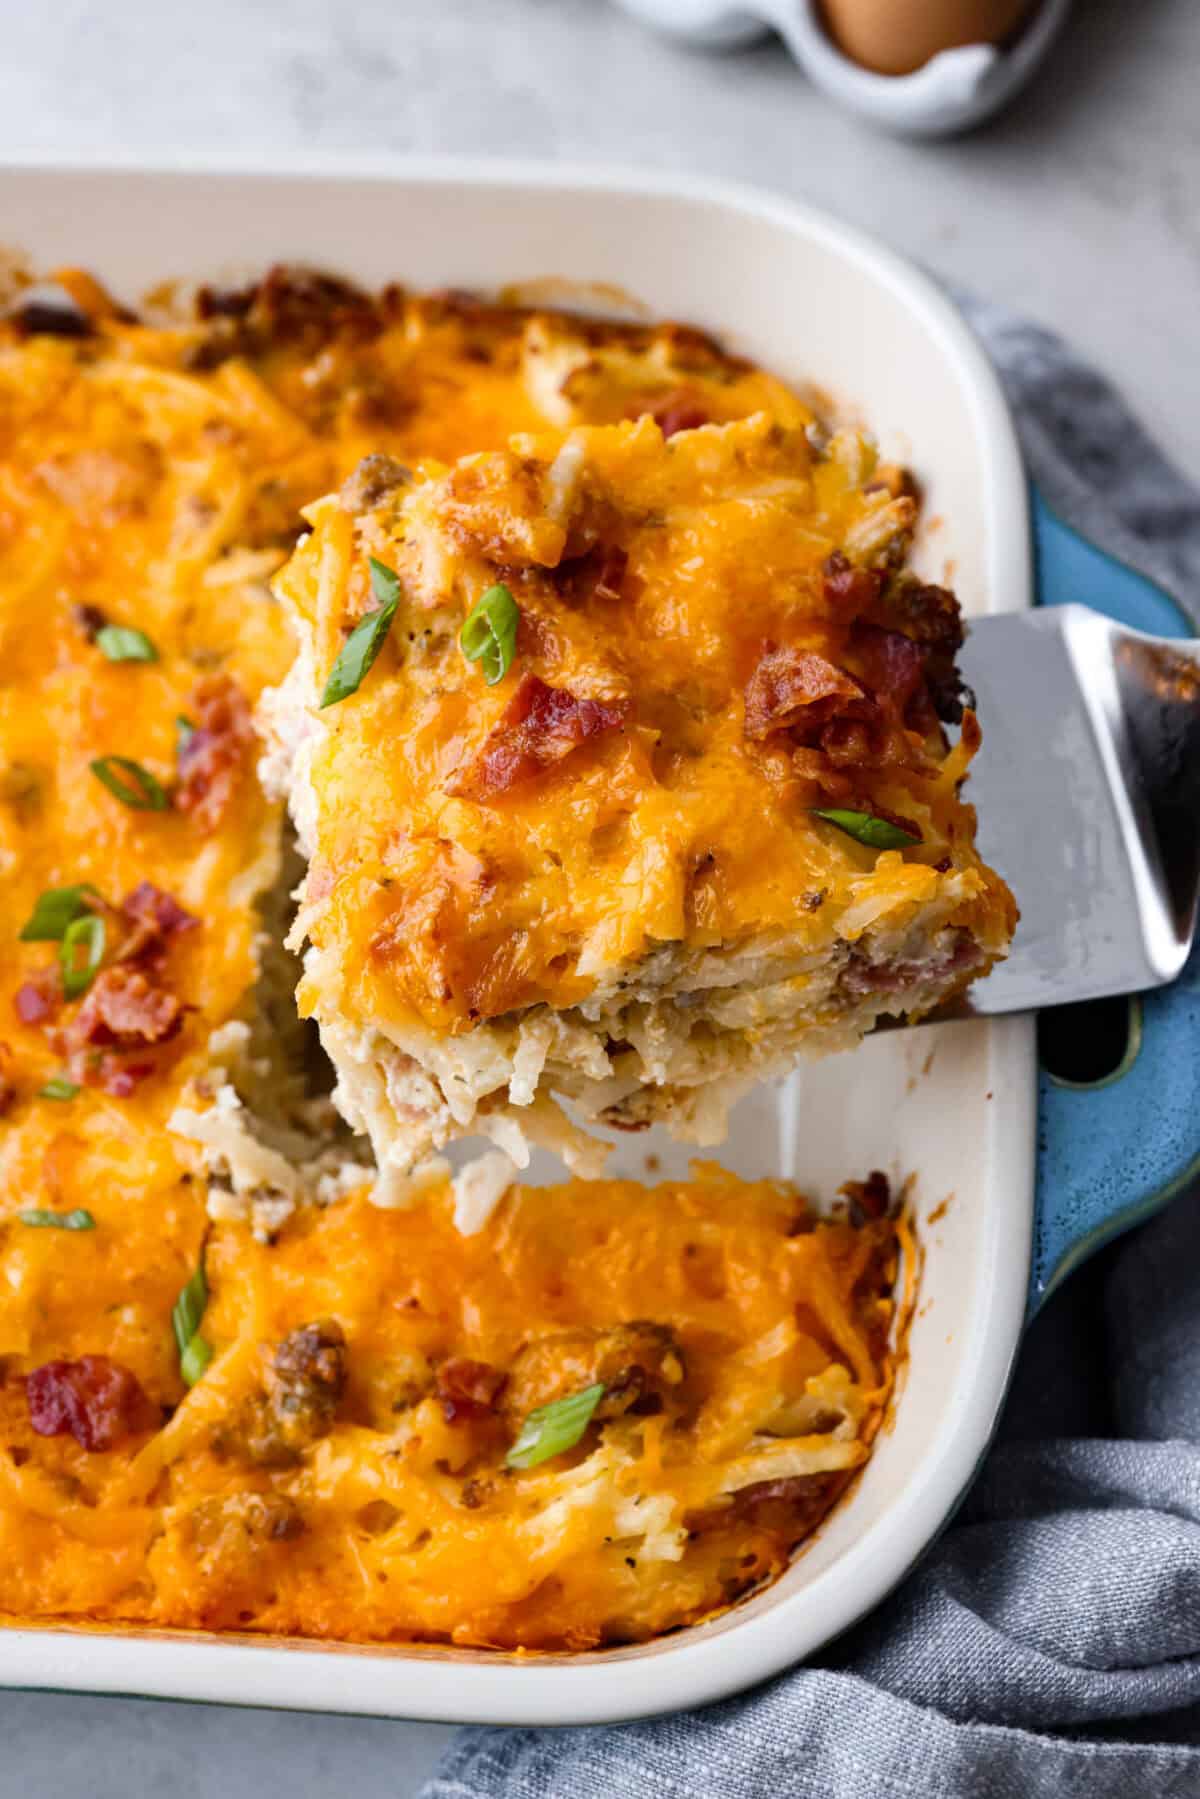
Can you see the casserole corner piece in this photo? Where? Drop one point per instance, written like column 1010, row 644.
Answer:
column 620, row 757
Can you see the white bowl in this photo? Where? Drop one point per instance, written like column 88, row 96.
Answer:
column 815, row 301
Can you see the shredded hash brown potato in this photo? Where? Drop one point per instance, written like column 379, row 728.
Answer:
column 340, row 1470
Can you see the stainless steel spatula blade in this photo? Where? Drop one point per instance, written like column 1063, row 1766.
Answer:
column 1087, row 789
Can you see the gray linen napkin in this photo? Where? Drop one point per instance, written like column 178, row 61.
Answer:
column 1049, row 1644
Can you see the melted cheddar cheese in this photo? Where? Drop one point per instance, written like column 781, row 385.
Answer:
column 746, row 1391
column 152, row 474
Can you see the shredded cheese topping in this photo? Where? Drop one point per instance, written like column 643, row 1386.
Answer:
column 337, row 1469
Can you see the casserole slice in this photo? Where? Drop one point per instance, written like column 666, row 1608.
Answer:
column 619, row 762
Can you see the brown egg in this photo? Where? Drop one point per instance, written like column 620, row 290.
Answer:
column 894, row 37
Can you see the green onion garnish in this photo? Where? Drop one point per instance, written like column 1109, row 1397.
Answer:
column 87, row 932
column 78, row 1220
column 185, row 730
column 489, row 633
column 553, row 1428
column 195, row 1360
column 134, row 786
column 194, row 1353
column 58, row 1087
column 366, row 640
column 876, row 833
column 55, row 909
column 188, row 1309
column 125, row 643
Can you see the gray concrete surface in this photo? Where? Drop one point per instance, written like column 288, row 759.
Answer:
column 1080, row 206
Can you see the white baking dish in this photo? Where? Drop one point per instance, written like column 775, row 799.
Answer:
column 818, row 302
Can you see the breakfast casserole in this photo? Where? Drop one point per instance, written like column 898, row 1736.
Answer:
column 631, row 783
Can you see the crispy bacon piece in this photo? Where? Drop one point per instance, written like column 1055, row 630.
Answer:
column 927, row 612
column 149, row 905
column 39, row 998
column 213, row 759
column 931, row 615
column 468, row 1389
column 540, row 726
column 153, row 918
column 113, row 1038
column 852, row 590
column 679, row 410
column 921, row 612
column 116, row 1075
column 835, row 784
column 124, row 1009
column 799, row 691
column 838, row 723
column 94, row 1400
column 893, row 668
column 915, row 613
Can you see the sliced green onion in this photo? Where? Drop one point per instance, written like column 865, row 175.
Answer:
column 58, row 1087
column 55, row 909
column 185, row 730
column 554, row 1428
column 385, row 582
column 188, row 1309
column 125, row 643
column 89, row 933
column 195, row 1360
column 367, row 638
column 489, row 633
column 134, row 785
column 194, row 1353
column 876, row 833
column 78, row 1220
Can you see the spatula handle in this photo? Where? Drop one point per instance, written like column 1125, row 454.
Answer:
column 1111, row 1154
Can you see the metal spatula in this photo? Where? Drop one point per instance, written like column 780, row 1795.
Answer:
column 1088, row 794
